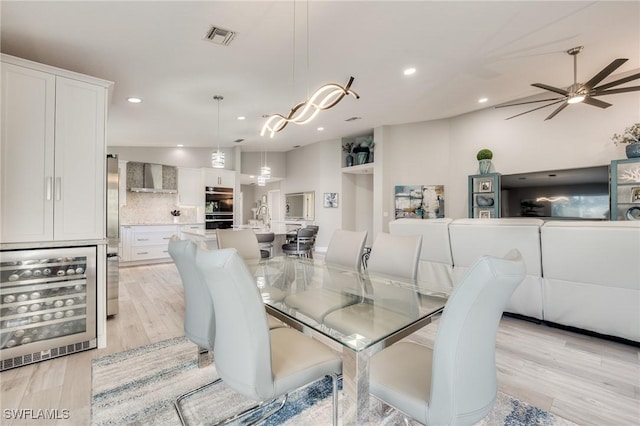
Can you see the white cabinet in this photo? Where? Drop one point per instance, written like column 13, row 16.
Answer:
column 190, row 187
column 52, row 155
column 218, row 177
column 147, row 242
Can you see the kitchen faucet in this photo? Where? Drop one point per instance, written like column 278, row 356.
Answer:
column 263, row 214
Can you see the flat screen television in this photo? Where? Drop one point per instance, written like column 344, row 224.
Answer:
column 557, row 194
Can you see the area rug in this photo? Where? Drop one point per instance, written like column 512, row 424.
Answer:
column 139, row 386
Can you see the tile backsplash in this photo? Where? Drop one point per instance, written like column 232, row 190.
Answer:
column 145, row 208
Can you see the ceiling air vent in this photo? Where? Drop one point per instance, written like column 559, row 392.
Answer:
column 219, row 35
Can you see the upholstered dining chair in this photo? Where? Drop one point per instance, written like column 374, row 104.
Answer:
column 395, row 255
column 455, row 382
column 199, row 318
column 246, row 243
column 259, row 363
column 339, row 288
column 243, row 240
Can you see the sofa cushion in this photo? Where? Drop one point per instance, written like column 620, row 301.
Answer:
column 592, row 276
column 472, row 238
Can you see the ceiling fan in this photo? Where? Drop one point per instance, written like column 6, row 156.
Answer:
column 579, row 92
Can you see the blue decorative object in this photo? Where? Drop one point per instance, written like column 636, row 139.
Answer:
column 484, row 166
column 633, row 150
column 349, row 160
column 484, row 201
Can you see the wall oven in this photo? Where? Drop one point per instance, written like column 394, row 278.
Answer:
column 218, row 207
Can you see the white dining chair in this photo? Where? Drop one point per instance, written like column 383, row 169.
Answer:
column 340, row 287
column 454, row 383
column 395, row 255
column 259, row 363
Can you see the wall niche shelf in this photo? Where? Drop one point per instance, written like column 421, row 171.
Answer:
column 361, row 169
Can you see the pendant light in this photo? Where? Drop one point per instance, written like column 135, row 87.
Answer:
column 325, row 97
column 265, row 170
column 217, row 158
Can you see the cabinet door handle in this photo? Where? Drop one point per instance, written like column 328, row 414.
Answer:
column 142, row 239
column 166, row 238
column 58, row 188
column 143, row 252
column 48, row 186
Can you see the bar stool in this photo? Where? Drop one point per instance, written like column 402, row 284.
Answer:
column 265, row 241
column 303, row 244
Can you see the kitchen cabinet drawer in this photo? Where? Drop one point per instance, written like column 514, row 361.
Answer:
column 152, row 238
column 150, row 252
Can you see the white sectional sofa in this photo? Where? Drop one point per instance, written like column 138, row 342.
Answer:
column 582, row 274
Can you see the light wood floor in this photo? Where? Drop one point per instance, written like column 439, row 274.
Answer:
column 587, row 380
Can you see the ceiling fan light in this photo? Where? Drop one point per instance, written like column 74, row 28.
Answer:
column 575, row 98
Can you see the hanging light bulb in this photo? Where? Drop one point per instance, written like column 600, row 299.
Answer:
column 265, row 172
column 217, row 158
column 262, row 181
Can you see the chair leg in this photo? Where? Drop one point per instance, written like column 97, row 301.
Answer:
column 176, row 403
column 204, row 357
column 334, row 382
column 248, row 411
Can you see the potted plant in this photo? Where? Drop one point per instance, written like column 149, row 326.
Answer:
column 484, row 157
column 347, row 147
column 630, row 137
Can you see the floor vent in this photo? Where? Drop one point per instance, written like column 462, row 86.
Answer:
column 220, row 36
column 18, row 361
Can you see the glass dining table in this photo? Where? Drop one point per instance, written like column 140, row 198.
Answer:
column 361, row 312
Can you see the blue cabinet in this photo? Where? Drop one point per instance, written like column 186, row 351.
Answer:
column 625, row 189
column 484, row 196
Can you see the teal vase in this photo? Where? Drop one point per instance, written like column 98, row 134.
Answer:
column 633, row 150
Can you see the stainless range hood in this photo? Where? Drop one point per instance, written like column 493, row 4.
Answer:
column 149, row 177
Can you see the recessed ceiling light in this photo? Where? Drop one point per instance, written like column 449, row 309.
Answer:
column 242, row 117
column 180, row 145
column 134, row 100
column 483, row 100
column 320, row 129
column 409, row 71
column 251, row 176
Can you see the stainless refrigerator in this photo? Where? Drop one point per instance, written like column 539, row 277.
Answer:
column 113, row 234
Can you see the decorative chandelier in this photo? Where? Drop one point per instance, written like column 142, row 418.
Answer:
column 217, row 158
column 325, row 97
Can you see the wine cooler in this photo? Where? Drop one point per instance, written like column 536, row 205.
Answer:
column 47, row 304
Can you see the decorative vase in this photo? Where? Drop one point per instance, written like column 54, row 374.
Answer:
column 362, row 154
column 176, row 219
column 633, row 150
column 361, row 157
column 349, row 160
column 484, row 201
column 484, row 166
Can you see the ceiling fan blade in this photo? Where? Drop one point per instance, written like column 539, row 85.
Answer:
column 560, row 108
column 529, row 102
column 614, row 91
column 551, row 88
column 531, row 110
column 596, row 102
column 604, row 73
column 617, row 82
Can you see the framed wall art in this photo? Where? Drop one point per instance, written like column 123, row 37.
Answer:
column 330, row 199
column 419, row 201
column 485, row 185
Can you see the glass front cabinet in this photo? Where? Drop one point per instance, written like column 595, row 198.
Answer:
column 484, row 196
column 625, row 189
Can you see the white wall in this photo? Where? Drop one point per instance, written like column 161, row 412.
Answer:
column 251, row 162
column 181, row 157
column 317, row 167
